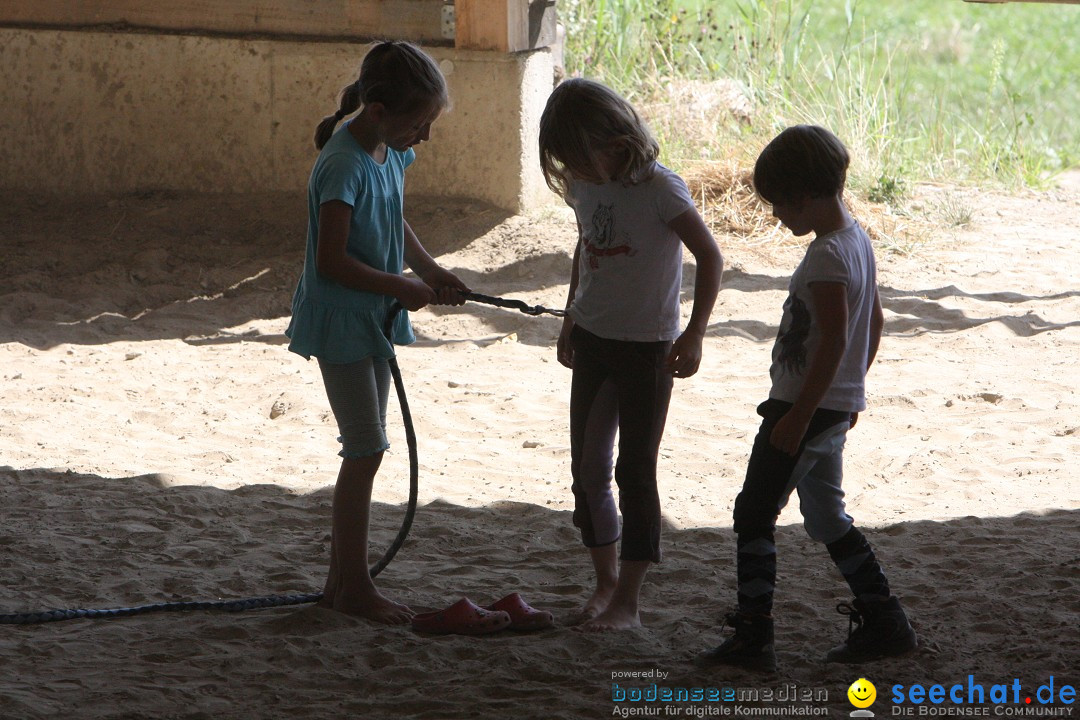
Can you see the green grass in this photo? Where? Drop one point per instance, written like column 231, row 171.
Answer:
column 918, row 89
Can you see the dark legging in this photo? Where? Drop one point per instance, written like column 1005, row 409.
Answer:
column 618, row 385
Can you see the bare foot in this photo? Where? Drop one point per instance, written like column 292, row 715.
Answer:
column 595, row 605
column 613, row 618
column 374, row 607
column 582, row 615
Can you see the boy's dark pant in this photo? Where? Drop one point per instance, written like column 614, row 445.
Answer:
column 816, row 471
column 772, row 475
column 618, row 385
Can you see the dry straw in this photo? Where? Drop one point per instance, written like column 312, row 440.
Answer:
column 725, row 196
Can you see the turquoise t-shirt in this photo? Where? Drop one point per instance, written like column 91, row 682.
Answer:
column 331, row 321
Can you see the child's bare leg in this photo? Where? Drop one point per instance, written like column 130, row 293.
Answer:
column 605, row 560
column 349, row 587
column 622, row 610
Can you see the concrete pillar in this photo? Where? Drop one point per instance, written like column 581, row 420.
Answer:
column 127, row 112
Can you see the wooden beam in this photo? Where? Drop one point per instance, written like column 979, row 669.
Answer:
column 504, row 25
column 415, row 20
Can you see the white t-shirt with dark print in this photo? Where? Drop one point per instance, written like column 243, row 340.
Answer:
column 846, row 257
column 630, row 264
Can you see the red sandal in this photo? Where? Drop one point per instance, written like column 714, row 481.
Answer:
column 461, row 618
column 522, row 616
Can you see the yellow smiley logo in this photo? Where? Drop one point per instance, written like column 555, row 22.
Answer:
column 862, row 693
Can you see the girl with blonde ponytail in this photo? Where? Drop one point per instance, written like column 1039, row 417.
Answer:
column 358, row 243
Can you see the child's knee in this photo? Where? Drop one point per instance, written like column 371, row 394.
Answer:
column 752, row 518
column 360, row 441
column 595, row 475
column 827, row 529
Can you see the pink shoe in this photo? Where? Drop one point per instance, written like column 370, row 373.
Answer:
column 523, row 617
column 461, row 618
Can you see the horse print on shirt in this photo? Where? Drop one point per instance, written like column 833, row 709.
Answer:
column 601, row 239
column 792, row 341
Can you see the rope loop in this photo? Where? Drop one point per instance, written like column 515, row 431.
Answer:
column 29, row 618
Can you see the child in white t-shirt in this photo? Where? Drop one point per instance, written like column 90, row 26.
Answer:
column 621, row 335
column 828, row 338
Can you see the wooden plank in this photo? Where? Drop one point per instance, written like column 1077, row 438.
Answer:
column 482, row 24
column 416, row 20
column 504, row 25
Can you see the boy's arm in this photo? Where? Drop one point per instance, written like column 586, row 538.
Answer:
column 446, row 284
column 830, row 309
column 685, row 353
column 877, row 324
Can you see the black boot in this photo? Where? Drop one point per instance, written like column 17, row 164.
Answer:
column 751, row 647
column 876, row 629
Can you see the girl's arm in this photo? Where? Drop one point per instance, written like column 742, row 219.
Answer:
column 447, row 286
column 333, row 262
column 831, row 311
column 563, row 351
column 685, row 354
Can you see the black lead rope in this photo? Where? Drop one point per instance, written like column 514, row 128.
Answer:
column 254, row 603
column 513, row 304
column 410, row 438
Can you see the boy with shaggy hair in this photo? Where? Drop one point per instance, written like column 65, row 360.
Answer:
column 827, row 340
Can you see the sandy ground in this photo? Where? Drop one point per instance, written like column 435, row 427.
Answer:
column 158, row 443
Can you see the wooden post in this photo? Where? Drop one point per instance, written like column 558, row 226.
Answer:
column 504, row 25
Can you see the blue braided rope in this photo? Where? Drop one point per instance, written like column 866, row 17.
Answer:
column 254, row 603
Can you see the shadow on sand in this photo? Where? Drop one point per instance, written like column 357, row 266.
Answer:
column 995, row 596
